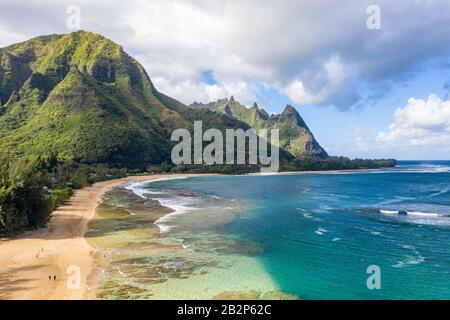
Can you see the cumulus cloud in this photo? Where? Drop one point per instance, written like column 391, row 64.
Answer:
column 314, row 52
column 327, row 82
column 204, row 92
column 420, row 123
column 8, row 37
column 360, row 141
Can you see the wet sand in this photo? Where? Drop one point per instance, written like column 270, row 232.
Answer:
column 27, row 262
column 30, row 263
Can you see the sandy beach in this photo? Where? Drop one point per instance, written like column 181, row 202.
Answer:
column 27, row 262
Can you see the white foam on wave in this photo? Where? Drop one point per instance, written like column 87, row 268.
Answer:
column 305, row 213
column 321, row 231
column 178, row 204
column 434, row 167
column 415, row 259
column 445, row 190
column 323, row 209
column 419, row 217
column 388, row 212
column 412, row 213
column 423, row 214
column 139, row 189
column 418, row 168
column 409, row 261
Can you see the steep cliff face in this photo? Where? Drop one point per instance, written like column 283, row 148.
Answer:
column 295, row 136
column 81, row 97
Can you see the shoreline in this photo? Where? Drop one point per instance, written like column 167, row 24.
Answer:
column 315, row 172
column 27, row 261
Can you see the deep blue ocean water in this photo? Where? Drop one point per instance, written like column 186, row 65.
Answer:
column 320, row 232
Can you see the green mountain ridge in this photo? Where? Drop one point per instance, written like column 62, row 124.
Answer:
column 295, row 136
column 80, row 97
column 76, row 109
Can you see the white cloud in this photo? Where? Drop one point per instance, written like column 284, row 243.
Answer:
column 420, row 123
column 360, row 143
column 203, row 92
column 297, row 92
column 327, row 82
column 8, row 37
column 362, row 140
column 315, row 52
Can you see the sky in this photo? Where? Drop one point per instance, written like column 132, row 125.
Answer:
column 370, row 78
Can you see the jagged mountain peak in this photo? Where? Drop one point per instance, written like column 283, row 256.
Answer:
column 290, row 112
column 295, row 135
column 289, row 109
column 80, row 97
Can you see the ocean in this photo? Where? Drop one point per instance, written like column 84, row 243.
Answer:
column 290, row 236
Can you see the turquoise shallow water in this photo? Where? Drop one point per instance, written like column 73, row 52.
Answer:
column 312, row 235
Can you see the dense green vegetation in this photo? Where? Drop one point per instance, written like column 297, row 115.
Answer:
column 295, row 136
column 298, row 164
column 76, row 109
column 336, row 163
column 79, row 96
column 23, row 203
column 31, row 188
